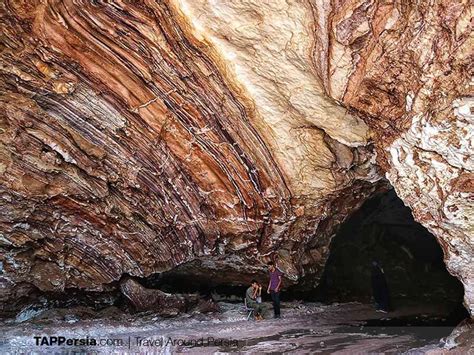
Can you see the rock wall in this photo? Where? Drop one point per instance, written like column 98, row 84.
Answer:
column 406, row 67
column 138, row 136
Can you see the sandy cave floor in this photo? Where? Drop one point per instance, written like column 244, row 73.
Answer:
column 303, row 328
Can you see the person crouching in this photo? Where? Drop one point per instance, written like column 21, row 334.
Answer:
column 251, row 299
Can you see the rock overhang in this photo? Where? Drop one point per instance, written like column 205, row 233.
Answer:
column 138, row 137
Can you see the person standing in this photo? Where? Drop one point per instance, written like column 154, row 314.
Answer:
column 379, row 288
column 274, row 287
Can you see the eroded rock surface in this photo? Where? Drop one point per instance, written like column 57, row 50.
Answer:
column 139, row 136
column 407, row 69
column 163, row 303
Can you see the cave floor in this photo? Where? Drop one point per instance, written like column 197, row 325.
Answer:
column 303, row 328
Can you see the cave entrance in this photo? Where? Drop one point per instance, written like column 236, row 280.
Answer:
column 383, row 229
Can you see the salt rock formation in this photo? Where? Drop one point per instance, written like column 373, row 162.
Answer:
column 139, row 136
column 407, row 70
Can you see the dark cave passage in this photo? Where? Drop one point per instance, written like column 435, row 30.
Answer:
column 383, row 229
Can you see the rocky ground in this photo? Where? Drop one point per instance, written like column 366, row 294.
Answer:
column 303, row 328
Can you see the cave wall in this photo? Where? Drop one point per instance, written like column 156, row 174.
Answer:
column 137, row 136
column 129, row 147
column 406, row 67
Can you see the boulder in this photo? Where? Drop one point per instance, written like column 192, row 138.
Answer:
column 145, row 299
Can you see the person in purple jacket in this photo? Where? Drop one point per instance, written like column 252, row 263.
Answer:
column 274, row 286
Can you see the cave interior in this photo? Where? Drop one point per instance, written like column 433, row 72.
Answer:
column 383, row 229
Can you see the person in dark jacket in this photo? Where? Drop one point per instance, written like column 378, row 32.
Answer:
column 379, row 288
column 274, row 287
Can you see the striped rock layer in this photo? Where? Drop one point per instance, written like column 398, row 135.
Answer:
column 137, row 136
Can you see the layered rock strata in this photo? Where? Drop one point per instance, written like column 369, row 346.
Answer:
column 406, row 68
column 138, row 136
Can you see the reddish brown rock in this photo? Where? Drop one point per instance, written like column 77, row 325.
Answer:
column 406, row 68
column 136, row 137
column 128, row 148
